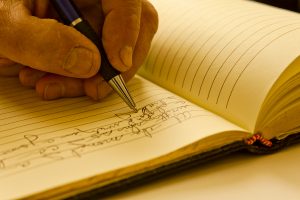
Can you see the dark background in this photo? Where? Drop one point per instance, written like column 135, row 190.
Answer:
column 287, row 4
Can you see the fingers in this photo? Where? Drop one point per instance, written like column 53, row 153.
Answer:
column 149, row 25
column 96, row 87
column 52, row 87
column 9, row 68
column 148, row 28
column 45, row 44
column 120, row 31
column 29, row 77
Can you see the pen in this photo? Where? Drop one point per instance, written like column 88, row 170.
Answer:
column 70, row 15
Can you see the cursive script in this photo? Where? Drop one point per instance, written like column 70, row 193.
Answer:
column 154, row 117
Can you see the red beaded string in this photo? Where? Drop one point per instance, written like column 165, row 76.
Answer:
column 261, row 139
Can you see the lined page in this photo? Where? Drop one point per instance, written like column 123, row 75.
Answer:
column 44, row 144
column 223, row 55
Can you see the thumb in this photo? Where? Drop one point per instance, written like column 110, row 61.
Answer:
column 47, row 45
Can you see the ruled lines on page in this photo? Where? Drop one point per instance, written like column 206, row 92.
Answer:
column 36, row 133
column 207, row 47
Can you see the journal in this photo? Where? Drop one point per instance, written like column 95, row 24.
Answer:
column 221, row 76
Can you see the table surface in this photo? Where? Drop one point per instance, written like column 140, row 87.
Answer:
column 239, row 176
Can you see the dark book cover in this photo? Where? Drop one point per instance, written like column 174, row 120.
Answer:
column 192, row 162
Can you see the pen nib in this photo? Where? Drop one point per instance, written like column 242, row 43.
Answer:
column 118, row 84
column 135, row 110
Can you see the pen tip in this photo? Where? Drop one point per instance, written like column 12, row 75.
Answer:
column 134, row 109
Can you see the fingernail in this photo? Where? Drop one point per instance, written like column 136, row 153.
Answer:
column 126, row 56
column 54, row 91
column 79, row 61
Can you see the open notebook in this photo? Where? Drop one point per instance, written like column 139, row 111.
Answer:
column 218, row 72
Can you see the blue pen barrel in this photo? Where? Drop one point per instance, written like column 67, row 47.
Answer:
column 66, row 10
column 70, row 15
column 106, row 70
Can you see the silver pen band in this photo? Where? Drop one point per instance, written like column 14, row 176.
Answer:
column 76, row 21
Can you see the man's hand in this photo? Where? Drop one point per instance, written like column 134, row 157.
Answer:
column 60, row 61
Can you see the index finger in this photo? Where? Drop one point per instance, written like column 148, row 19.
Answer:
column 121, row 30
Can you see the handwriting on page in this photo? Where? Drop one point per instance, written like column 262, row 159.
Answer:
column 35, row 150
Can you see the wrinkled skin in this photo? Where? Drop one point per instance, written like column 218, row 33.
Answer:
column 57, row 60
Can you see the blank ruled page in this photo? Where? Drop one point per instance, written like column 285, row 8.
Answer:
column 223, row 55
column 50, row 143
